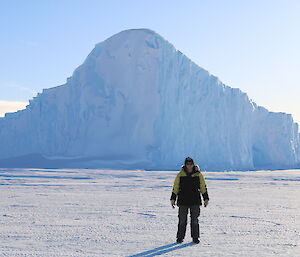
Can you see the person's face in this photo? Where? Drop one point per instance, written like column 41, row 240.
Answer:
column 189, row 166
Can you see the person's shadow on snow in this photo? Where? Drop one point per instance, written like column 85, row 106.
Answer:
column 162, row 249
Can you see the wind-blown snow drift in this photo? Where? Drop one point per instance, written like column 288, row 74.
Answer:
column 137, row 102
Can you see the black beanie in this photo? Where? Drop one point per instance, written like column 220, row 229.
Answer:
column 188, row 159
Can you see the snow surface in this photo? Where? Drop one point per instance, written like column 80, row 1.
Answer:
column 142, row 103
column 55, row 212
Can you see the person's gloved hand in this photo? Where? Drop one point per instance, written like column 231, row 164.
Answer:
column 173, row 203
column 205, row 203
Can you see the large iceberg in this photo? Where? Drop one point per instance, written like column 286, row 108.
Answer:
column 138, row 103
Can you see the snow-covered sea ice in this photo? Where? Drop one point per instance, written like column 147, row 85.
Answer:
column 89, row 212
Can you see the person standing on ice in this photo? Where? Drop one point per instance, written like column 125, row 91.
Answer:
column 188, row 184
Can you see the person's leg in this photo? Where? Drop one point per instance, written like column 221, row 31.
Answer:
column 182, row 215
column 195, row 212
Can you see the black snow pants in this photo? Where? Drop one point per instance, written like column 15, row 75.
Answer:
column 182, row 215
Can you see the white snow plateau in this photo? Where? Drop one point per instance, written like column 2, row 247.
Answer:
column 118, row 213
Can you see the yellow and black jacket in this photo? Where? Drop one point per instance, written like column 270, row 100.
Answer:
column 187, row 187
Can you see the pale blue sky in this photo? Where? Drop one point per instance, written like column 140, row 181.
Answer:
column 252, row 45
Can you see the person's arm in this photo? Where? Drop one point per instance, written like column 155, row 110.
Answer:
column 203, row 189
column 175, row 190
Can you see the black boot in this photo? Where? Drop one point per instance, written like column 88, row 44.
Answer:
column 179, row 240
column 196, row 240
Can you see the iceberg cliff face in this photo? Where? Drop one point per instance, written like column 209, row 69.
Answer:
column 137, row 102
